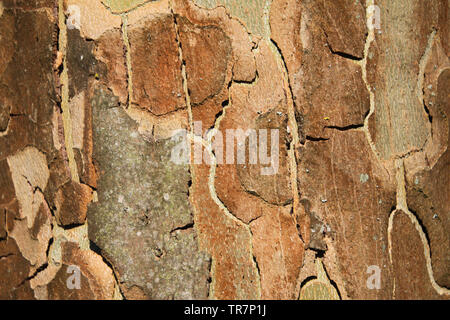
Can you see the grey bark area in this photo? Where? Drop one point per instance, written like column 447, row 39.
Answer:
column 102, row 100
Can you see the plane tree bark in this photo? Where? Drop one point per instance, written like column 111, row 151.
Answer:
column 353, row 204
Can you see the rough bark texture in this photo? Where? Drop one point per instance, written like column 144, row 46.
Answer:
column 93, row 94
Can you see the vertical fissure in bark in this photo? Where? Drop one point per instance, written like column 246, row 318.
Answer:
column 402, row 206
column 128, row 61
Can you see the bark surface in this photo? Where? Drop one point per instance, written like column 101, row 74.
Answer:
column 354, row 203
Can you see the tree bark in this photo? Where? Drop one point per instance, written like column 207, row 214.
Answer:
column 342, row 188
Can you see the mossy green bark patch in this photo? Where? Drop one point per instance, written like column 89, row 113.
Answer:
column 142, row 199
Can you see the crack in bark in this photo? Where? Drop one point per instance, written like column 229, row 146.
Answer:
column 124, row 31
column 340, row 53
column 95, row 248
column 183, row 228
column 363, row 64
column 322, row 277
column 316, row 139
column 126, row 12
column 64, row 77
column 346, row 128
column 35, row 274
column 420, row 81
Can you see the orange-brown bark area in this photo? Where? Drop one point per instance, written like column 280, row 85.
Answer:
column 95, row 202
